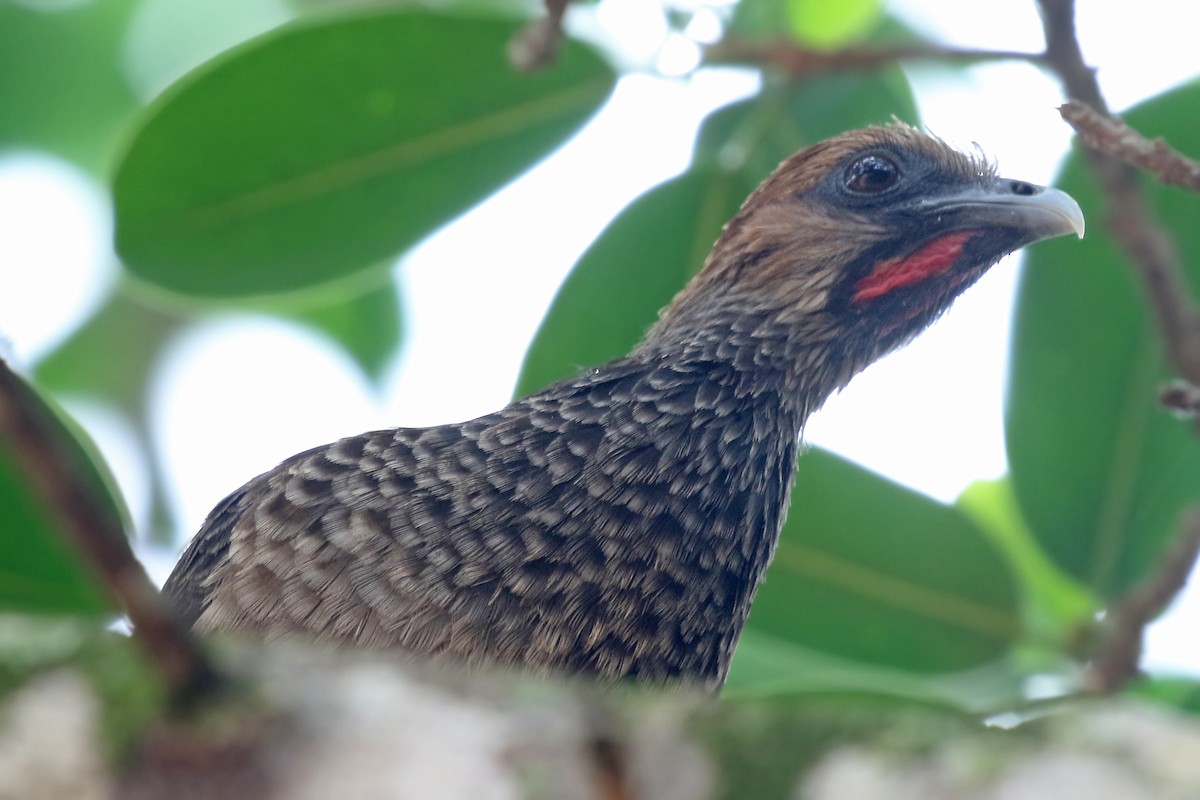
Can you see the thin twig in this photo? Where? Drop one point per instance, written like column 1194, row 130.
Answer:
column 609, row 761
column 1117, row 662
column 796, row 59
column 1148, row 247
column 34, row 437
column 1110, row 135
column 1182, row 399
column 1133, row 226
column 536, row 45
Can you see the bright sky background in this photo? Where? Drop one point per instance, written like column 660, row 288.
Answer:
column 929, row 416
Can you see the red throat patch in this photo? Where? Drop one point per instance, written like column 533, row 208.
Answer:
column 932, row 258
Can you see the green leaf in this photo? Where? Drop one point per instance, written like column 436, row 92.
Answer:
column 61, row 86
column 1177, row 691
column 38, row 572
column 322, row 148
column 655, row 245
column 1101, row 471
column 115, row 668
column 768, row 666
column 872, row 572
column 110, row 355
column 1057, row 605
column 636, row 266
column 759, row 19
column 825, row 24
column 813, row 22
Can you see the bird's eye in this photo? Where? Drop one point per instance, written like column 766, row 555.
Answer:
column 872, row 174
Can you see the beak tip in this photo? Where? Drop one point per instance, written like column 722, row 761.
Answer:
column 1059, row 203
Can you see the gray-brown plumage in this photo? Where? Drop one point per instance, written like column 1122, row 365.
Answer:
column 618, row 523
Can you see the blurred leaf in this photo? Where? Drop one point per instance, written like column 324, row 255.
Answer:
column 825, row 24
column 760, row 19
column 322, row 148
column 38, row 572
column 167, row 38
column 768, row 666
column 1057, row 604
column 1178, row 692
column 636, row 266
column 61, row 86
column 813, row 22
column 656, row 244
column 31, row 643
column 873, row 572
column 110, row 356
column 366, row 324
column 1100, row 470
column 760, row 748
column 116, row 668
column 751, row 137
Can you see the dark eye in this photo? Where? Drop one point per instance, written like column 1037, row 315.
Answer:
column 872, row 174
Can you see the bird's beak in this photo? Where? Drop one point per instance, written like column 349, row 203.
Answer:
column 1038, row 212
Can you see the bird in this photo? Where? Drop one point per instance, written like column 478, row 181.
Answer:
column 616, row 524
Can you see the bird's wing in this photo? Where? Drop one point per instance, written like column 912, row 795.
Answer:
column 187, row 588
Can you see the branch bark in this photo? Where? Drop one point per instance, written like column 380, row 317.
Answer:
column 1134, row 227
column 92, row 531
column 536, row 45
column 1116, row 664
column 1111, row 136
column 1152, row 254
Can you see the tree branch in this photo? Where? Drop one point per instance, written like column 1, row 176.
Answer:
column 1152, row 254
column 1111, row 136
column 1117, row 662
column 1134, row 228
column 536, row 45
column 92, row 531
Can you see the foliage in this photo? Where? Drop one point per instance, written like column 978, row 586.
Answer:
column 308, row 157
column 1100, row 471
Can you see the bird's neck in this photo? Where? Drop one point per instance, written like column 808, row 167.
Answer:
column 797, row 357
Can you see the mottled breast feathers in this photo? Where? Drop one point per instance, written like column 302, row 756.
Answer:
column 480, row 540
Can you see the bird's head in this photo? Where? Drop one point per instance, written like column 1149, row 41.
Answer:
column 861, row 241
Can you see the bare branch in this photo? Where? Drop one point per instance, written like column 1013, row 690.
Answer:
column 1117, row 662
column 796, row 59
column 1064, row 56
column 1135, row 229
column 1110, row 135
column 1150, row 250
column 536, row 45
column 92, row 531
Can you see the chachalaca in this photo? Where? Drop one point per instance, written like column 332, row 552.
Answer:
column 617, row 523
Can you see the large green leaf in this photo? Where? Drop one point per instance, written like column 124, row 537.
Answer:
column 326, row 147
column 768, row 666
column 872, row 572
column 38, row 572
column 651, row 249
column 61, row 86
column 1056, row 607
column 1101, row 471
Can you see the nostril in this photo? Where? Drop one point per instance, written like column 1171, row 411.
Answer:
column 1023, row 189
